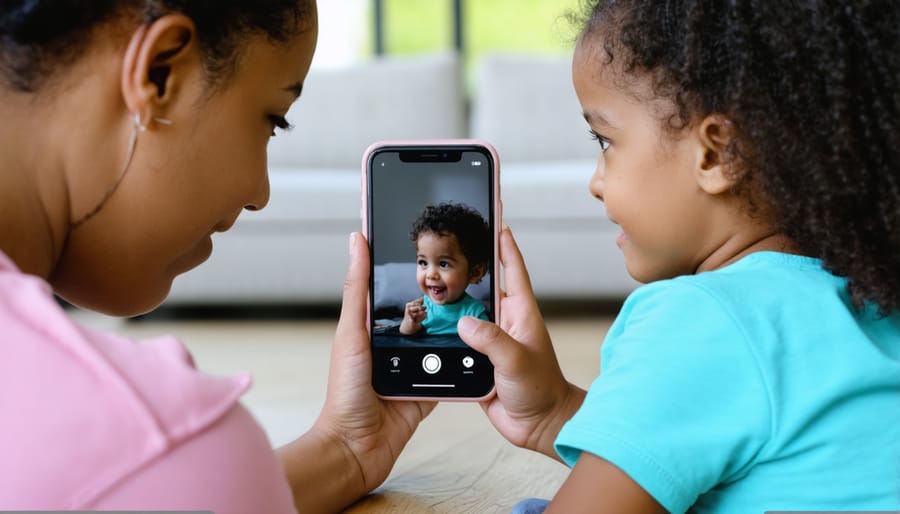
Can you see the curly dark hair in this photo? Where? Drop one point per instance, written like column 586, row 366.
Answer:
column 813, row 89
column 464, row 222
column 38, row 37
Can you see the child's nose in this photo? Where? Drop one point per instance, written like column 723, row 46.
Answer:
column 596, row 183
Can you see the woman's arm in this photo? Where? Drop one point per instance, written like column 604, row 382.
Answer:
column 357, row 438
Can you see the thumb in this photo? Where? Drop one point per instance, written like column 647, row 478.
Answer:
column 489, row 339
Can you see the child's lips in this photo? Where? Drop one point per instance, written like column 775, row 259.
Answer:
column 621, row 238
column 436, row 292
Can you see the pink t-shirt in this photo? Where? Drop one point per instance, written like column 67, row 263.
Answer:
column 91, row 420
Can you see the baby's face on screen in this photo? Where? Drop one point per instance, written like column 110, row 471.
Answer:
column 442, row 271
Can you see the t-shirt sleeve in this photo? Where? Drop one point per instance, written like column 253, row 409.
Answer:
column 228, row 468
column 477, row 310
column 680, row 404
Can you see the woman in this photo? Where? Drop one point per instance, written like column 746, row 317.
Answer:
column 132, row 131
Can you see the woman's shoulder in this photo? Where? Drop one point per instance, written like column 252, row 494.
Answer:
column 94, row 398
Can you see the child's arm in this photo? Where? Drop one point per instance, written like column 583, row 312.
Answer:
column 597, row 486
column 413, row 316
column 533, row 399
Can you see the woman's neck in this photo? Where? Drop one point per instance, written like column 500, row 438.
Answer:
column 32, row 197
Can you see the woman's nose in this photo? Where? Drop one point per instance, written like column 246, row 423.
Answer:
column 260, row 196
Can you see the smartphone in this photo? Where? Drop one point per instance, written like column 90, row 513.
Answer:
column 431, row 212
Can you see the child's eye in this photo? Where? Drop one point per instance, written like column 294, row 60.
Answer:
column 423, row 263
column 279, row 122
column 604, row 143
column 444, row 264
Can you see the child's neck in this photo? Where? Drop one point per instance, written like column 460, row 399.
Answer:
column 735, row 249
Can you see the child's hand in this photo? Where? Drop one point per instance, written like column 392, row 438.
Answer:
column 533, row 398
column 413, row 316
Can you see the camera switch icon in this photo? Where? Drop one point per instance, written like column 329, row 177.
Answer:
column 468, row 361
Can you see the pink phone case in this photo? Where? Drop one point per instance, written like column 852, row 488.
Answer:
column 498, row 222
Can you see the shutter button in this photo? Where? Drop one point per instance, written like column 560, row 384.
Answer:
column 431, row 363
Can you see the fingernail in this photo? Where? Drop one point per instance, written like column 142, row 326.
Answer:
column 466, row 325
column 352, row 242
column 505, row 227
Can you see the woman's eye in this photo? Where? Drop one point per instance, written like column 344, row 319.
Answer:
column 604, row 143
column 279, row 122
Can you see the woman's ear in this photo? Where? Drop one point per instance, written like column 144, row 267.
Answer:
column 715, row 170
column 156, row 63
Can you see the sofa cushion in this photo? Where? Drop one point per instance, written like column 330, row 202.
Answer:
column 526, row 106
column 343, row 110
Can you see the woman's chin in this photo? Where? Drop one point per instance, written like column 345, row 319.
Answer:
column 121, row 302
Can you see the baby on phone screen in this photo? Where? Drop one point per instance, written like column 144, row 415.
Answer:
column 453, row 244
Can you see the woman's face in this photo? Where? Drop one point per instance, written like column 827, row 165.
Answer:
column 186, row 181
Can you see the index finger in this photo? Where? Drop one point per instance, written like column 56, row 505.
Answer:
column 356, row 287
column 516, row 278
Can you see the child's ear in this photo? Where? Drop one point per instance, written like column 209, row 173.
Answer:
column 715, row 170
column 477, row 273
column 156, row 62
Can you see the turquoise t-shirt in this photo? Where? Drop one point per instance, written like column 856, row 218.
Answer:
column 752, row 388
column 442, row 319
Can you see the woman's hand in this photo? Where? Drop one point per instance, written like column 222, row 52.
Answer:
column 533, row 398
column 357, row 438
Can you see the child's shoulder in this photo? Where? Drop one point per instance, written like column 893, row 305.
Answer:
column 767, row 278
column 755, row 298
column 768, row 300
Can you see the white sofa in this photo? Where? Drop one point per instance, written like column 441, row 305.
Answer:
column 295, row 250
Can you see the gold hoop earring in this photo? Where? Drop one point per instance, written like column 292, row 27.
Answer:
column 137, row 127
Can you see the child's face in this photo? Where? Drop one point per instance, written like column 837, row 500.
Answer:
column 645, row 173
column 442, row 271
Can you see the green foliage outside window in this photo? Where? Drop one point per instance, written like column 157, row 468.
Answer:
column 539, row 26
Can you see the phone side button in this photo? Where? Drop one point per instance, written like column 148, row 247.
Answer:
column 431, row 363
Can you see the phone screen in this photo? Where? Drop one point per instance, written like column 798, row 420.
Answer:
column 431, row 224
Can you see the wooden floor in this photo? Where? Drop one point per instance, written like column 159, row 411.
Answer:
column 455, row 462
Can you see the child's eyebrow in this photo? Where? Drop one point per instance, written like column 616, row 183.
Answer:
column 596, row 118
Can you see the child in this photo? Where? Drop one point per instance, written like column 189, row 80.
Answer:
column 453, row 245
column 749, row 154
